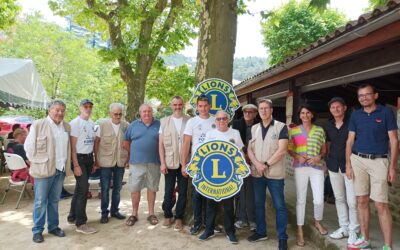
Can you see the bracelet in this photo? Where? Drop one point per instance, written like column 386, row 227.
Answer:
column 266, row 163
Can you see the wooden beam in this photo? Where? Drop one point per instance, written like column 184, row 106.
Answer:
column 388, row 33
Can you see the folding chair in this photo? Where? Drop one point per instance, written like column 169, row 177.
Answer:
column 15, row 162
column 94, row 179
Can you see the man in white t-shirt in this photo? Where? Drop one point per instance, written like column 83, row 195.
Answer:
column 170, row 147
column 223, row 133
column 82, row 142
column 195, row 134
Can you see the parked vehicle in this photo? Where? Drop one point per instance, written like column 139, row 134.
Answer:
column 6, row 123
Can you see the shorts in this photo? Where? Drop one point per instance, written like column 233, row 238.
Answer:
column 370, row 177
column 146, row 175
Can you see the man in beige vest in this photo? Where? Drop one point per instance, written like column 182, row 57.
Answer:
column 170, row 145
column 267, row 150
column 112, row 158
column 48, row 149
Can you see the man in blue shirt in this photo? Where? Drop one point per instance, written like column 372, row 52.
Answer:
column 371, row 129
column 141, row 139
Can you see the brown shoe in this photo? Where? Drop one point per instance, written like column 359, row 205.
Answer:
column 178, row 225
column 85, row 229
column 167, row 223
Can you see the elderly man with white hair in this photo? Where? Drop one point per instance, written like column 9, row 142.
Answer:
column 141, row 139
column 112, row 158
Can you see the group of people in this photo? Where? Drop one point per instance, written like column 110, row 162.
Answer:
column 355, row 151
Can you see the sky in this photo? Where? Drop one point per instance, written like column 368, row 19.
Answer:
column 249, row 38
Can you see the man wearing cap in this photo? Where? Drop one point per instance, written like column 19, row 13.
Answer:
column 372, row 133
column 343, row 188
column 82, row 142
column 245, row 199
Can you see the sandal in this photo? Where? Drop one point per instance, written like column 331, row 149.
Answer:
column 131, row 220
column 321, row 229
column 152, row 219
column 300, row 243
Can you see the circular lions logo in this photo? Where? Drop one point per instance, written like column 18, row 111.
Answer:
column 220, row 93
column 218, row 168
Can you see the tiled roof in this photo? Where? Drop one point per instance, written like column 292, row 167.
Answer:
column 351, row 26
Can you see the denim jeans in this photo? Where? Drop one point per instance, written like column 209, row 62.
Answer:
column 229, row 215
column 117, row 174
column 276, row 189
column 197, row 202
column 245, row 201
column 79, row 200
column 47, row 195
column 175, row 176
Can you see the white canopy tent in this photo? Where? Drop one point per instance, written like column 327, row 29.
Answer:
column 20, row 84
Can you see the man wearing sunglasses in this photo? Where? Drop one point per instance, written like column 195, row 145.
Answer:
column 112, row 159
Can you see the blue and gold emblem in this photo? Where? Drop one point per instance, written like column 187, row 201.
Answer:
column 220, row 93
column 218, row 168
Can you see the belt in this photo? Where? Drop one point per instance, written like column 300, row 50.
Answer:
column 369, row 156
column 85, row 155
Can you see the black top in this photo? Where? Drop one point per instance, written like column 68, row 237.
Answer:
column 244, row 130
column 336, row 157
column 284, row 134
column 18, row 149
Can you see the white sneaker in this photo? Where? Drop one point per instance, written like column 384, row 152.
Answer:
column 253, row 226
column 339, row 233
column 241, row 224
column 352, row 237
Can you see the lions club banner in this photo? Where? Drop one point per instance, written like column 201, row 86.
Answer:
column 218, row 168
column 220, row 93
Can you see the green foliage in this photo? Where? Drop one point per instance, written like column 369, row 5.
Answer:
column 69, row 70
column 295, row 25
column 178, row 60
column 8, row 12
column 245, row 67
column 377, row 3
column 164, row 83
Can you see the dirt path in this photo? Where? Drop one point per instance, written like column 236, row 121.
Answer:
column 15, row 229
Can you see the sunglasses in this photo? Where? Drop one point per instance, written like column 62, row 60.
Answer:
column 221, row 119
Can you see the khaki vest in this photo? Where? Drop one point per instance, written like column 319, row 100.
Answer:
column 172, row 146
column 43, row 162
column 264, row 149
column 111, row 153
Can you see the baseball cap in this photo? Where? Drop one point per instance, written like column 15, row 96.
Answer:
column 249, row 106
column 84, row 101
column 336, row 99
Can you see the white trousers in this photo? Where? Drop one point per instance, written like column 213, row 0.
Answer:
column 316, row 177
column 345, row 200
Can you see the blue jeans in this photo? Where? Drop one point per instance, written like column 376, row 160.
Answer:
column 175, row 176
column 276, row 189
column 117, row 174
column 47, row 195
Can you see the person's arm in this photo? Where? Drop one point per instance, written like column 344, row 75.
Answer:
column 394, row 150
column 74, row 156
column 280, row 153
column 30, row 142
column 187, row 139
column 161, row 151
column 96, row 152
column 349, row 145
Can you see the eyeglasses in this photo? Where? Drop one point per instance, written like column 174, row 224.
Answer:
column 365, row 95
column 218, row 119
column 117, row 114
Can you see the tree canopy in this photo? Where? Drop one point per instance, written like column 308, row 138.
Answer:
column 69, row 69
column 139, row 31
column 8, row 12
column 295, row 25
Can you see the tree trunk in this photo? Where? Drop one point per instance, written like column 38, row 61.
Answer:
column 216, row 49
